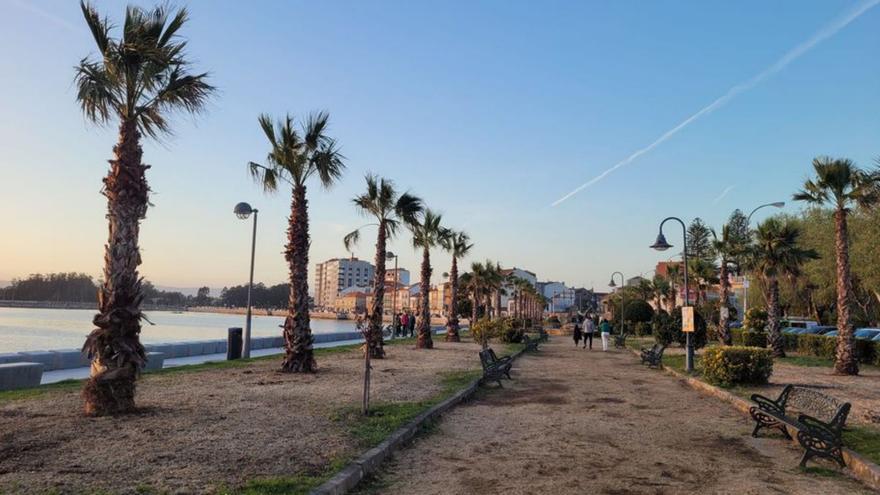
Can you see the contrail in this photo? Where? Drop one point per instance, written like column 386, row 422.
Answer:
column 59, row 21
column 792, row 55
column 723, row 194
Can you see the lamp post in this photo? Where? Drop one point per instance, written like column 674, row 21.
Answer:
column 243, row 211
column 622, row 295
column 776, row 204
column 388, row 256
column 661, row 245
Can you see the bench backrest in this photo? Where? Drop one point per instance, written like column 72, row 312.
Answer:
column 660, row 350
column 814, row 403
column 486, row 358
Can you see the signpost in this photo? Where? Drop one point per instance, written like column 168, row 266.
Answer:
column 687, row 319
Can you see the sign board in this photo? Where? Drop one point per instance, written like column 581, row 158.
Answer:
column 687, row 319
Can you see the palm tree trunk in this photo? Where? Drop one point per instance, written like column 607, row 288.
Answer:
column 773, row 334
column 497, row 303
column 376, row 342
column 845, row 362
column 452, row 320
column 114, row 346
column 424, row 340
column 724, row 321
column 299, row 354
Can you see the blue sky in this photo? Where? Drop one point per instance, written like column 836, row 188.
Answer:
column 490, row 111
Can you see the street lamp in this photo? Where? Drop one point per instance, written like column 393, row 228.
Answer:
column 777, row 204
column 622, row 296
column 388, row 256
column 661, row 245
column 243, row 211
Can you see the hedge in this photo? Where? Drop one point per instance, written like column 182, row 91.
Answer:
column 727, row 366
column 867, row 351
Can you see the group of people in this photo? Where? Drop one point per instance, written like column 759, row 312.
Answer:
column 585, row 327
column 403, row 324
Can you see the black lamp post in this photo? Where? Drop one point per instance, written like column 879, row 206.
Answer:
column 661, row 245
column 243, row 211
column 622, row 296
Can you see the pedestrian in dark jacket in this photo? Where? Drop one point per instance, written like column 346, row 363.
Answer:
column 577, row 333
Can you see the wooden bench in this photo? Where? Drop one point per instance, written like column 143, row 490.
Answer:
column 493, row 370
column 620, row 341
column 819, row 419
column 654, row 355
column 530, row 343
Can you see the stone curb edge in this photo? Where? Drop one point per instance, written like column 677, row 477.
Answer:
column 858, row 467
column 370, row 461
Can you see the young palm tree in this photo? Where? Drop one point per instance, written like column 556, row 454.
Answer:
column 776, row 254
column 494, row 282
column 659, row 290
column 728, row 249
column 294, row 157
column 427, row 233
column 140, row 79
column 458, row 245
column 674, row 274
column 390, row 209
column 843, row 185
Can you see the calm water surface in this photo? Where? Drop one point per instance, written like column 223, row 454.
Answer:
column 25, row 329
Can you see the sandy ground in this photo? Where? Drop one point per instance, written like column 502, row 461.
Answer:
column 575, row 421
column 206, row 429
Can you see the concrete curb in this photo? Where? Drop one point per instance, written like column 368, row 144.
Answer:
column 370, row 461
column 857, row 466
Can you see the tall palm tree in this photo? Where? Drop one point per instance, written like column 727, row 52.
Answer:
column 840, row 183
column 776, row 254
column 674, row 274
column 390, row 209
column 138, row 79
column 458, row 245
column 728, row 248
column 494, row 284
column 294, row 157
column 427, row 233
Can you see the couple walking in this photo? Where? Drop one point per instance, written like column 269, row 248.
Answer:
column 589, row 329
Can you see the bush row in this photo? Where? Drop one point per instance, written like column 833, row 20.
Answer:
column 811, row 345
column 732, row 365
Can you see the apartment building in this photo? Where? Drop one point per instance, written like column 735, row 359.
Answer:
column 335, row 275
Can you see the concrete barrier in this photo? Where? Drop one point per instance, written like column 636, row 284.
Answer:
column 71, row 358
column 47, row 358
column 20, row 375
column 10, row 357
column 162, row 347
column 155, row 361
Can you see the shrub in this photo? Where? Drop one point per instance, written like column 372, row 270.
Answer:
column 662, row 328
column 638, row 311
column 754, row 339
column 667, row 329
column 733, row 365
column 756, row 319
column 509, row 334
column 817, row 345
column 483, row 330
column 643, row 328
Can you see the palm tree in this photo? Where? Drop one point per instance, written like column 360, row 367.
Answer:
column 674, row 274
column 390, row 209
column 140, row 79
column 458, row 245
column 728, row 249
column 294, row 157
column 494, row 284
column 427, row 233
column 843, row 185
column 776, row 254
column 660, row 288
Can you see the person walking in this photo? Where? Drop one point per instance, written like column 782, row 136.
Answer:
column 411, row 321
column 589, row 330
column 396, row 325
column 577, row 332
column 605, row 330
column 404, row 323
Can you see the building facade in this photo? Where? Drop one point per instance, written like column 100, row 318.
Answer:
column 335, row 275
column 402, row 276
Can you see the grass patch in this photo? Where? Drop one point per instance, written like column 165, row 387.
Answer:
column 72, row 384
column 809, row 361
column 300, row 484
column 864, row 440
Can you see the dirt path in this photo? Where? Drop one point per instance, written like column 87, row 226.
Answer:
column 576, row 421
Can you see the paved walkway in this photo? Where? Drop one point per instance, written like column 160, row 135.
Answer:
column 578, row 421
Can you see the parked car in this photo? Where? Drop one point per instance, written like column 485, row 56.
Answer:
column 866, row 333
column 797, row 322
column 832, row 333
column 876, row 339
column 817, row 330
column 791, row 330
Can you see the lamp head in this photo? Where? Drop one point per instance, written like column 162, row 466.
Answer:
column 389, row 255
column 660, row 244
column 612, row 284
column 243, row 210
column 778, row 204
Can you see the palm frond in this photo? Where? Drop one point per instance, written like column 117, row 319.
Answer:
column 265, row 176
column 99, row 27
column 351, row 239
column 314, row 130
column 95, row 91
column 328, row 162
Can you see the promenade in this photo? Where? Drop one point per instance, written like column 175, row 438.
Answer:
column 574, row 421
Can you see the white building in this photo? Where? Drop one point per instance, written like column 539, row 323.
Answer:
column 560, row 297
column 335, row 275
column 507, row 297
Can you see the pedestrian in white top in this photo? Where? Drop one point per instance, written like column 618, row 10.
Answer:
column 605, row 329
column 589, row 330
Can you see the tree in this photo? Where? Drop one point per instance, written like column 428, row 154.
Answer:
column 390, row 209
column 842, row 184
column 699, row 240
column 427, row 233
column 674, row 273
column 458, row 245
column 293, row 158
column 728, row 248
column 140, row 79
column 660, row 289
column 775, row 254
column 203, row 296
